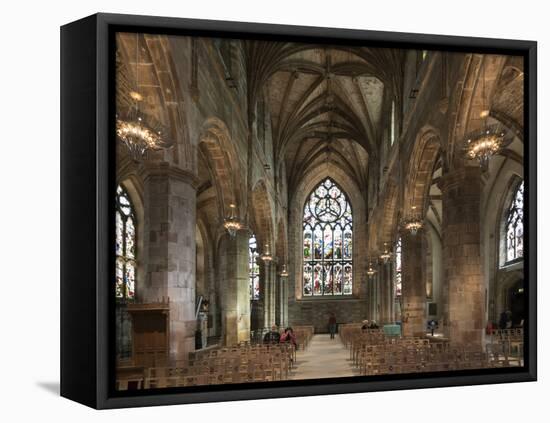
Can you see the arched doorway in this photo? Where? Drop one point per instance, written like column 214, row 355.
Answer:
column 516, row 302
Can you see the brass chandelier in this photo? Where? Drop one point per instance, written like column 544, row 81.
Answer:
column 232, row 223
column 138, row 131
column 413, row 223
column 488, row 141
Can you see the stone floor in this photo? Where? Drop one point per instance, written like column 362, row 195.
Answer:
column 323, row 358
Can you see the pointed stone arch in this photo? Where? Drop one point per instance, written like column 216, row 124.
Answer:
column 358, row 204
column 218, row 152
column 163, row 95
column 419, row 175
column 261, row 211
column 479, row 78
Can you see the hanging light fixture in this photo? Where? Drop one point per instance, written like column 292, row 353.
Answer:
column 138, row 131
column 266, row 255
column 386, row 254
column 487, row 141
column 371, row 271
column 284, row 271
column 231, row 223
column 412, row 223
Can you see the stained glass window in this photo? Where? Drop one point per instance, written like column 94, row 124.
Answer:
column 328, row 235
column 125, row 269
column 398, row 262
column 514, row 227
column 253, row 268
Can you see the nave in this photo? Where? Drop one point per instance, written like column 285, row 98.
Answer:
column 324, row 357
column 315, row 187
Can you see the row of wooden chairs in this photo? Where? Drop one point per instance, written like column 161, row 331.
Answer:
column 430, row 357
column 303, row 335
column 505, row 353
column 401, row 345
column 238, row 364
column 372, row 352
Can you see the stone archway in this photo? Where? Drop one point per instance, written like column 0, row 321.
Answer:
column 509, row 294
column 218, row 152
column 162, row 93
column 315, row 312
column 419, row 175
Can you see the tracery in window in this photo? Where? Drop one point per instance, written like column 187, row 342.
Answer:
column 253, row 268
column 125, row 230
column 514, row 227
column 327, row 242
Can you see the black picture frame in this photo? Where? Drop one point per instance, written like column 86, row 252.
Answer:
column 87, row 167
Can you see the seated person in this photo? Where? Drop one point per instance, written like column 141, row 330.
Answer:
column 288, row 336
column 365, row 325
column 273, row 336
column 373, row 325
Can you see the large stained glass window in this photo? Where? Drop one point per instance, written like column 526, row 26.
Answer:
column 397, row 274
column 253, row 268
column 125, row 246
column 327, row 225
column 514, row 227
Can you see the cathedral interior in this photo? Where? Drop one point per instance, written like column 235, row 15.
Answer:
column 331, row 189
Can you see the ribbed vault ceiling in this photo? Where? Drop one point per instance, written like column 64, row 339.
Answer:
column 326, row 102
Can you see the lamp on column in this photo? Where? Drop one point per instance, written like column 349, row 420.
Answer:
column 231, row 223
column 413, row 223
column 284, row 271
column 266, row 255
column 371, row 271
column 386, row 254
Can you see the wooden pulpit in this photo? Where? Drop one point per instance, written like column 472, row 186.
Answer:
column 150, row 333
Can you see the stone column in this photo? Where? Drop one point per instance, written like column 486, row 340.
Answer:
column 235, row 295
column 284, row 300
column 413, row 290
column 266, row 294
column 281, row 288
column 376, row 291
column 277, row 289
column 213, row 307
column 371, row 295
column 170, row 260
column 272, row 271
column 385, row 289
column 462, row 281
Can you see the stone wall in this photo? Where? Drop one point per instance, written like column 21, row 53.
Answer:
column 316, row 312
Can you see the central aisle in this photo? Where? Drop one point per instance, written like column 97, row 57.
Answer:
column 323, row 358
